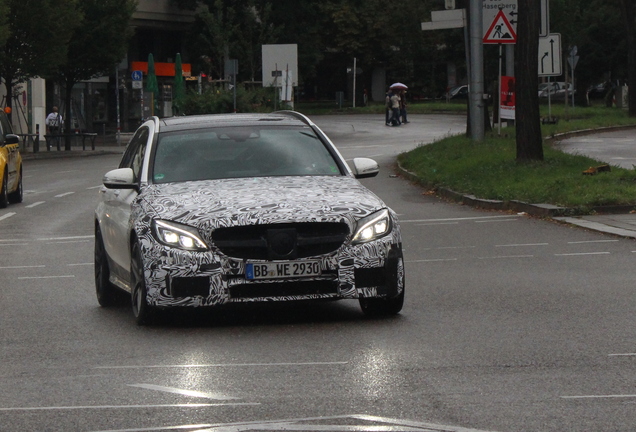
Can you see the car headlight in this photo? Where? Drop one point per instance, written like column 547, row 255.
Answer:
column 178, row 236
column 372, row 227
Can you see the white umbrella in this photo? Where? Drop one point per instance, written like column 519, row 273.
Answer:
column 398, row 85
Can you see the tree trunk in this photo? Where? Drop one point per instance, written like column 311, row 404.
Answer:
column 8, row 84
column 527, row 116
column 629, row 14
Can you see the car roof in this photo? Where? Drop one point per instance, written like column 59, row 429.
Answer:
column 172, row 124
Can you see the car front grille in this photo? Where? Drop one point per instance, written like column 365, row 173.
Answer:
column 284, row 289
column 280, row 241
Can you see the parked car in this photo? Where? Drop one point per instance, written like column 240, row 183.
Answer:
column 458, row 92
column 229, row 208
column 556, row 90
column 10, row 164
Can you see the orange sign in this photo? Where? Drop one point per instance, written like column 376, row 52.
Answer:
column 162, row 69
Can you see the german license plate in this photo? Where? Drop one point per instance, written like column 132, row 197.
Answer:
column 282, row 269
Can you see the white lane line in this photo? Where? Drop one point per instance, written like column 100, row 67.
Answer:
column 599, row 396
column 437, row 223
column 432, row 260
column 14, row 244
column 65, row 238
column 500, row 220
column 69, row 241
column 35, row 204
column 94, row 187
column 64, row 172
column 583, row 253
column 458, row 219
column 623, row 355
column 506, row 257
column 46, row 277
column 522, row 244
column 80, row 264
column 7, row 215
column 193, row 393
column 224, row 365
column 22, row 267
column 64, row 194
column 456, row 247
column 593, row 241
column 81, row 407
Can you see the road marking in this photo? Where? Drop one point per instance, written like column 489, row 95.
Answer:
column 69, row 241
column 80, row 264
column 323, row 424
column 64, row 194
column 65, row 238
column 64, row 172
column 622, row 355
column 78, row 407
column 455, row 247
column 13, row 244
column 22, row 267
column 432, row 260
column 192, row 393
column 7, row 215
column 94, row 187
column 457, row 219
column 523, row 244
column 583, row 253
column 438, row 223
column 599, row 396
column 224, row 365
column 506, row 256
column 593, row 241
column 35, row 204
column 500, row 220
column 47, row 277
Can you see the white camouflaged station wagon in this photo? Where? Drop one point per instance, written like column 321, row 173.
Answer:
column 217, row 209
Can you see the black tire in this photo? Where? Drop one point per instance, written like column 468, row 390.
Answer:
column 374, row 307
column 4, row 192
column 144, row 313
column 17, row 195
column 107, row 293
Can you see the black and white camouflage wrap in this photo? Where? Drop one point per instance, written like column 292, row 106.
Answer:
column 211, row 204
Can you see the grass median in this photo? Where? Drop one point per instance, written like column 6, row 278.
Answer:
column 489, row 170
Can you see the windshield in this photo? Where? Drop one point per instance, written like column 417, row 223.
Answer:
column 234, row 152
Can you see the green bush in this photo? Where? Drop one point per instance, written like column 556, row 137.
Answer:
column 217, row 100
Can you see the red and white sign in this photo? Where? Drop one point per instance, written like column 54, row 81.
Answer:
column 507, row 98
column 500, row 31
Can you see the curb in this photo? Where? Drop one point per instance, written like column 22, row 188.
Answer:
column 67, row 154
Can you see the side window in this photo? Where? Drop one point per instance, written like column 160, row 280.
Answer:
column 134, row 156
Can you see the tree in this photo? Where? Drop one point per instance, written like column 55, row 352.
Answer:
column 527, row 116
column 36, row 43
column 97, row 44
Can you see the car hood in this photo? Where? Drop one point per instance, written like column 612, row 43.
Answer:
column 247, row 201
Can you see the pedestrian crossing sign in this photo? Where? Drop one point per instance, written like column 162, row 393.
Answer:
column 500, row 31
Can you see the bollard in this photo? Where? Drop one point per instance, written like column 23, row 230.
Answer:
column 36, row 141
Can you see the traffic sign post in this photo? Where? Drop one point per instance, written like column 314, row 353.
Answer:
column 499, row 21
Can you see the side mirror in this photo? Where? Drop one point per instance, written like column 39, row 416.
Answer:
column 365, row 167
column 121, row 178
column 11, row 139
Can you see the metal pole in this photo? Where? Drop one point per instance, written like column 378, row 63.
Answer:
column 499, row 93
column 354, row 82
column 117, row 102
column 510, row 70
column 476, row 92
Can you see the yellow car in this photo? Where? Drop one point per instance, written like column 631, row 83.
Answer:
column 10, row 164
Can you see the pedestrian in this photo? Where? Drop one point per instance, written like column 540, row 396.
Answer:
column 54, row 122
column 403, row 105
column 387, row 107
column 395, row 109
column 54, row 125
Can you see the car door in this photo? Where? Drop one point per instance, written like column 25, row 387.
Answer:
column 117, row 204
column 11, row 152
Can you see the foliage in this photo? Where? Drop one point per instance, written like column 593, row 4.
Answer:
column 216, row 100
column 4, row 22
column 39, row 31
column 489, row 170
